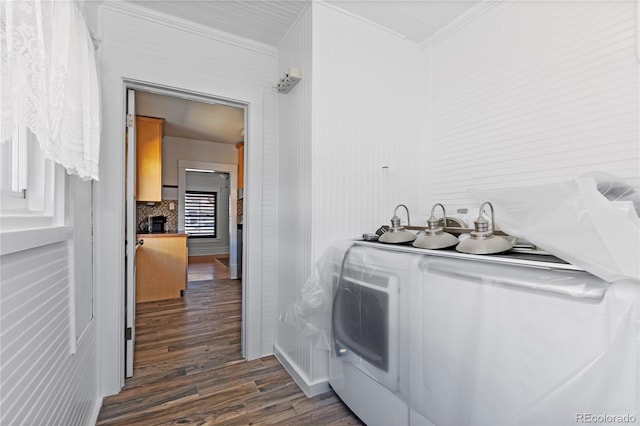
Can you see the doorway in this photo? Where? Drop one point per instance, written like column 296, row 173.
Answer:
column 189, row 120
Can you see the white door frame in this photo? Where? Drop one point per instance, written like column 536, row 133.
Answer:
column 232, row 169
column 131, row 240
column 251, row 292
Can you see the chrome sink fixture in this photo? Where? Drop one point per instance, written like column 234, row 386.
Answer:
column 397, row 234
column 434, row 237
column 482, row 240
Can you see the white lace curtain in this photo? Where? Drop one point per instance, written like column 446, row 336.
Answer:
column 49, row 81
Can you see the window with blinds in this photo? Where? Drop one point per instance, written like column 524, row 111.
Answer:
column 200, row 213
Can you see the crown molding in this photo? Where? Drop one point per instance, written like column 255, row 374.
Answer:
column 133, row 10
column 352, row 15
column 461, row 21
column 295, row 21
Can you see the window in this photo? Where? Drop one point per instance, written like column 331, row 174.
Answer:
column 27, row 183
column 13, row 176
column 200, row 213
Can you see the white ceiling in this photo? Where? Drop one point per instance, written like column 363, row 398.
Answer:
column 193, row 120
column 264, row 21
column 267, row 21
column 414, row 19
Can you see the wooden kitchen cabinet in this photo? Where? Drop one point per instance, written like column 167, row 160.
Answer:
column 149, row 158
column 240, row 147
column 161, row 266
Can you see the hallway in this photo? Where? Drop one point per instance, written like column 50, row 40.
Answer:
column 188, row 368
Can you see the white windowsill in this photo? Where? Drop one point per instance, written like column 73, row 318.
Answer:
column 25, row 239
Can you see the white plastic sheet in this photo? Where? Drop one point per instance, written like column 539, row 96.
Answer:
column 574, row 221
column 495, row 353
column 491, row 344
column 311, row 313
column 480, row 343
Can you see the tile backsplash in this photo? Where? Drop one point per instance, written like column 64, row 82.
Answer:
column 158, row 209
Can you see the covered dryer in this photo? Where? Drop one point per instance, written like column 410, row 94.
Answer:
column 370, row 333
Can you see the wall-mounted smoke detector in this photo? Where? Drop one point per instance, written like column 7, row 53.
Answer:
column 290, row 79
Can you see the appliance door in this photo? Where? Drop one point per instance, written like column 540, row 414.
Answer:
column 365, row 324
column 157, row 223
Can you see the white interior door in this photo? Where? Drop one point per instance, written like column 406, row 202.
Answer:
column 131, row 231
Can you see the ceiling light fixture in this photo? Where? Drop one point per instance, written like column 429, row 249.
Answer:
column 290, row 79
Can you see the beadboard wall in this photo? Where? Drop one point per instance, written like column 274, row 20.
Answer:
column 354, row 111
column 365, row 117
column 48, row 345
column 151, row 47
column 42, row 382
column 268, row 222
column 525, row 93
column 294, row 190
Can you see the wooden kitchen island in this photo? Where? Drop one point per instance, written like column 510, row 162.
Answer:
column 161, row 266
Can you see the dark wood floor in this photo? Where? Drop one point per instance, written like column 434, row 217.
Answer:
column 188, row 369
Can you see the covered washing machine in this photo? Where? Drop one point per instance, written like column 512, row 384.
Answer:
column 370, row 333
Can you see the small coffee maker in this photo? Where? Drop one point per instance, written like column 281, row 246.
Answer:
column 156, row 223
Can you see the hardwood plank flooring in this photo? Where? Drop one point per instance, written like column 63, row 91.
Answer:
column 188, row 369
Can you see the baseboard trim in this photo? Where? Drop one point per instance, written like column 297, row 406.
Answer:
column 207, row 258
column 309, row 389
column 96, row 411
column 203, row 250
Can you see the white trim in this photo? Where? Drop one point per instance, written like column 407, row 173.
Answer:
column 638, row 30
column 110, row 216
column 295, row 22
column 201, row 165
column 352, row 15
column 207, row 251
column 190, row 95
column 129, row 8
column 309, row 389
column 461, row 21
column 15, row 241
column 232, row 169
column 43, row 205
column 95, row 411
column 73, row 347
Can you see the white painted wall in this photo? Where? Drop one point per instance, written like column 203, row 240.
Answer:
column 48, row 331
column 48, row 348
column 355, row 110
column 294, row 191
column 365, row 116
column 520, row 80
column 268, row 224
column 526, row 93
column 157, row 49
column 513, row 93
column 521, row 93
column 176, row 149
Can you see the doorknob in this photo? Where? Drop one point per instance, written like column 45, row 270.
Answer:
column 140, row 242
